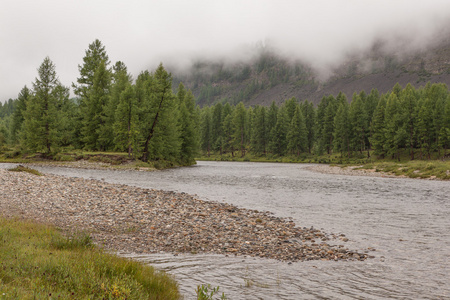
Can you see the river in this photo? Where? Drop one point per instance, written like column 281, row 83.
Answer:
column 407, row 221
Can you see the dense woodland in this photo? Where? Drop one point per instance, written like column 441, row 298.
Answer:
column 406, row 119
column 109, row 113
column 147, row 119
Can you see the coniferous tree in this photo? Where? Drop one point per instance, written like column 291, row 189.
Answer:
column 408, row 99
column 445, row 130
column 187, row 125
column 18, row 118
column 278, row 143
column 395, row 132
column 126, row 124
column 160, row 119
column 378, row 128
column 205, row 128
column 42, row 114
column 239, row 123
column 297, row 134
column 121, row 80
column 94, row 56
column 424, row 127
column 94, row 110
column 328, row 125
column 310, row 121
column 341, row 135
column 217, row 128
column 358, row 124
column 259, row 130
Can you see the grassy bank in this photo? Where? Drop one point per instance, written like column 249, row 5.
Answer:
column 114, row 160
column 413, row 168
column 433, row 168
column 37, row 262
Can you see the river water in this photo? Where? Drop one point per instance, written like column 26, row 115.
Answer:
column 407, row 221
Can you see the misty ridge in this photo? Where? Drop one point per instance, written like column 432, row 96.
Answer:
column 264, row 71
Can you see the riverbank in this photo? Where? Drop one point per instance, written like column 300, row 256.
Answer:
column 334, row 164
column 134, row 220
column 37, row 262
column 414, row 169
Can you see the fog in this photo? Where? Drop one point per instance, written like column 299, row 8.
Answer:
column 143, row 33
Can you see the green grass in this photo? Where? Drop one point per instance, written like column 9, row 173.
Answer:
column 414, row 168
column 25, row 169
column 37, row 262
column 433, row 168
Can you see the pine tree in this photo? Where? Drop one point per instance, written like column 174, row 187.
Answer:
column 160, row 119
column 121, row 80
column 42, row 114
column 94, row 114
column 239, row 123
column 278, row 143
column 18, row 118
column 424, row 126
column 358, row 124
column 445, row 130
column 341, row 135
column 378, row 128
column 328, row 126
column 310, row 121
column 205, row 128
column 297, row 134
column 408, row 99
column 395, row 132
column 126, row 125
column 94, row 55
column 259, row 130
column 217, row 128
column 187, row 125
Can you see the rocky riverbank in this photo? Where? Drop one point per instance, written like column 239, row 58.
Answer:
column 350, row 171
column 129, row 219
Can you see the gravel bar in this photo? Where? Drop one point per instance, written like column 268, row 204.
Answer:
column 135, row 220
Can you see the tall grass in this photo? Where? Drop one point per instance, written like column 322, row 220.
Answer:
column 37, row 262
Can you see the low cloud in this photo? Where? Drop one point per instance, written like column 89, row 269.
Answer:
column 322, row 33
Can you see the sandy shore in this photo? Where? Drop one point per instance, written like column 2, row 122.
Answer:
column 135, row 220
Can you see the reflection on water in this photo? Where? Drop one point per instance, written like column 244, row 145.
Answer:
column 407, row 222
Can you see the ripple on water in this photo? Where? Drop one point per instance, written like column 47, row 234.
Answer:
column 405, row 220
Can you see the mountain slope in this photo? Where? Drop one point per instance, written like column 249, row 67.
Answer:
column 269, row 77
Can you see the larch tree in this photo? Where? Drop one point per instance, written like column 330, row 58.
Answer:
column 297, row 134
column 18, row 117
column 94, row 109
column 126, row 124
column 42, row 114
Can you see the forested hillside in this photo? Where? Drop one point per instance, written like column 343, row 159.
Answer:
column 268, row 76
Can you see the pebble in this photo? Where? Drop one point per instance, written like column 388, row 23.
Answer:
column 135, row 220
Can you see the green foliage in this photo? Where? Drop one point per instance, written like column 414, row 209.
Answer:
column 21, row 168
column 42, row 124
column 383, row 125
column 207, row 292
column 39, row 263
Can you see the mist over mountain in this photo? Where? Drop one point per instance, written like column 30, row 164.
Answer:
column 269, row 74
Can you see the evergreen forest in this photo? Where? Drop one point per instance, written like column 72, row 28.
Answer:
column 152, row 120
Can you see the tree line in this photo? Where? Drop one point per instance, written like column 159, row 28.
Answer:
column 147, row 119
column 416, row 121
column 109, row 113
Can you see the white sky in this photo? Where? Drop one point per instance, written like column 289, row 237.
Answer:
column 143, row 33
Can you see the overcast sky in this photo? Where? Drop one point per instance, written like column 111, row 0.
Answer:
column 143, row 33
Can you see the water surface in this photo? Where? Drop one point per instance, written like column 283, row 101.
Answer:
column 407, row 221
